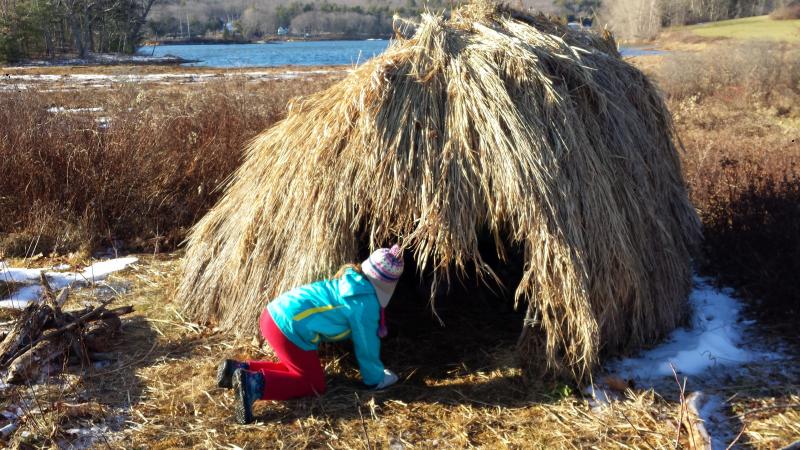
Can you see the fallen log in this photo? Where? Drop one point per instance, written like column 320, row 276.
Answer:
column 28, row 365
column 26, row 330
column 44, row 333
column 28, row 327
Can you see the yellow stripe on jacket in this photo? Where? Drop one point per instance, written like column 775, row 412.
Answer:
column 312, row 311
column 341, row 335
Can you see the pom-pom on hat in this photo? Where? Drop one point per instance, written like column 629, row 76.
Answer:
column 383, row 269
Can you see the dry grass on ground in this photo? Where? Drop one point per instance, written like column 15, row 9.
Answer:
column 457, row 391
column 164, row 385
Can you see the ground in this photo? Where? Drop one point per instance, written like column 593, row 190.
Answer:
column 457, row 390
column 461, row 385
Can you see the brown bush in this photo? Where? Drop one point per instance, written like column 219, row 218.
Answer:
column 738, row 119
column 74, row 179
column 753, row 232
column 748, row 194
column 788, row 12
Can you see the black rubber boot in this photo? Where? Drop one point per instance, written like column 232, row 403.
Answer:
column 225, row 372
column 247, row 388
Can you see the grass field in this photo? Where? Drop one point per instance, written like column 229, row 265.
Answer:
column 760, row 27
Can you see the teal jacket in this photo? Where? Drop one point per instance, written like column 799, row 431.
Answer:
column 333, row 310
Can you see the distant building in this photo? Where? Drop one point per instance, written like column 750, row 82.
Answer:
column 283, row 31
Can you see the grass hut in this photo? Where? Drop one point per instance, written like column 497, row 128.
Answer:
column 488, row 123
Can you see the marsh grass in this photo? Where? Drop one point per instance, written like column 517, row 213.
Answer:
column 136, row 174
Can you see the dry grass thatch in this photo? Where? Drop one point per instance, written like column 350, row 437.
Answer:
column 489, row 121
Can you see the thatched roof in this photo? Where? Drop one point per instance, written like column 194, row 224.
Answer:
column 490, row 120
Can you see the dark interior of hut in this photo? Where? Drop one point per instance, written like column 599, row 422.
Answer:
column 469, row 324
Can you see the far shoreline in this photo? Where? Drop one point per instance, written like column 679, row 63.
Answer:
column 270, row 40
column 104, row 59
column 9, row 71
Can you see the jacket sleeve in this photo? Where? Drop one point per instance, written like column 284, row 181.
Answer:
column 367, row 345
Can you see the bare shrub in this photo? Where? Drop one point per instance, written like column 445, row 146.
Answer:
column 788, row 12
column 142, row 178
column 642, row 20
column 760, row 71
column 633, row 20
column 749, row 196
column 732, row 107
column 46, row 228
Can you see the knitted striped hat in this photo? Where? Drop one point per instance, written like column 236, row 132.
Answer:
column 383, row 268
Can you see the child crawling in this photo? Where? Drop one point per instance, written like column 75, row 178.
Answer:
column 351, row 305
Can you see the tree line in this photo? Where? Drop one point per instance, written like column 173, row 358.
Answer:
column 46, row 28
column 255, row 19
column 644, row 19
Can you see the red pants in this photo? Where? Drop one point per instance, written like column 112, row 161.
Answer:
column 299, row 372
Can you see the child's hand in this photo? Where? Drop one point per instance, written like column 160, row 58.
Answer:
column 389, row 378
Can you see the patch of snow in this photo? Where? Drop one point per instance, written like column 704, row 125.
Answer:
column 35, row 77
column 103, row 122
column 599, row 397
column 61, row 109
column 710, row 411
column 102, row 364
column 31, row 293
column 97, row 80
column 14, row 87
column 713, row 338
column 105, row 59
column 711, row 347
column 85, row 437
column 101, row 270
column 8, row 429
column 22, row 298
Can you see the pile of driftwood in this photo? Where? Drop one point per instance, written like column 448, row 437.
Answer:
column 44, row 336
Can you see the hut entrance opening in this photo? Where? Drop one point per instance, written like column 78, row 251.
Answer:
column 471, row 325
